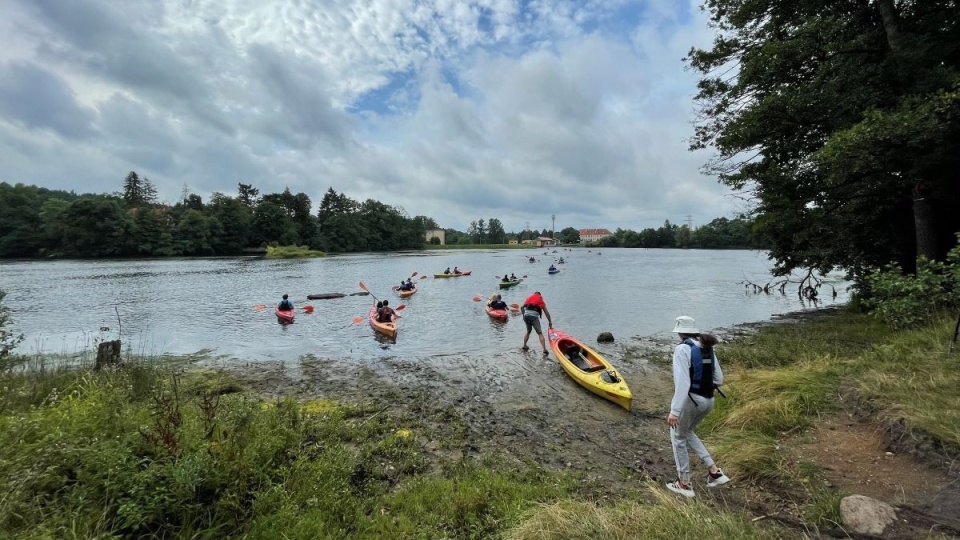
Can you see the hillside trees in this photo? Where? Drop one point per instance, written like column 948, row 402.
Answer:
column 840, row 119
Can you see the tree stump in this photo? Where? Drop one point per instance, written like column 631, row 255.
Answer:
column 108, row 354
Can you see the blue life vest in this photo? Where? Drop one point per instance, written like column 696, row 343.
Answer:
column 701, row 371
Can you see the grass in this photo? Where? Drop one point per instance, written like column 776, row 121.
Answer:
column 152, row 450
column 788, row 376
column 292, row 252
column 668, row 517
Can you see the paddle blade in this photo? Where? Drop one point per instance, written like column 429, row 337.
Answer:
column 259, row 306
column 401, row 307
column 477, row 298
column 395, row 287
column 364, row 287
column 308, row 308
column 514, row 306
column 357, row 320
column 424, row 277
column 413, row 275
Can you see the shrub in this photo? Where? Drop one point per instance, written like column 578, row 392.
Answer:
column 8, row 338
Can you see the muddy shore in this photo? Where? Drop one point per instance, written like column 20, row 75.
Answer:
column 524, row 406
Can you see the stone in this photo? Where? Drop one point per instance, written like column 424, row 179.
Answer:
column 605, row 337
column 865, row 515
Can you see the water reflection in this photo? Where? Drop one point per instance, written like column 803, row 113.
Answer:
column 184, row 305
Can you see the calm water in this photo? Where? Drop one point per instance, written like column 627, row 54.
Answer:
column 186, row 305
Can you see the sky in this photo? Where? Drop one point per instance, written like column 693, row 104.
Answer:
column 518, row 110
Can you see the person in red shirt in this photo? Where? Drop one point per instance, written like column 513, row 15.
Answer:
column 533, row 309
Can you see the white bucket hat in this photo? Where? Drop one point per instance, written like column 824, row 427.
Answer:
column 686, row 325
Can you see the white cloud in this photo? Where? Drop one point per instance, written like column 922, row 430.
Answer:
column 451, row 109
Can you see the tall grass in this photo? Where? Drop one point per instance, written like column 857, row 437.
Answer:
column 292, row 252
column 668, row 518
column 788, row 376
column 150, row 452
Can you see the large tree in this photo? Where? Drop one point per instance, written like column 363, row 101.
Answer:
column 840, row 120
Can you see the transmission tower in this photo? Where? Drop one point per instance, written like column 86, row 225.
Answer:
column 553, row 227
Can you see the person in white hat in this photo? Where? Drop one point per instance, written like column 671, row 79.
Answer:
column 696, row 375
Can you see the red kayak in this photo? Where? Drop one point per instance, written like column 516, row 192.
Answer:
column 498, row 314
column 284, row 316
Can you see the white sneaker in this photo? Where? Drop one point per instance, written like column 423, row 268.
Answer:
column 716, row 479
column 679, row 487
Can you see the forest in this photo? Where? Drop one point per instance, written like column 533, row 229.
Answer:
column 37, row 222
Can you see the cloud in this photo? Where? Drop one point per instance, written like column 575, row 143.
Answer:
column 37, row 99
column 456, row 110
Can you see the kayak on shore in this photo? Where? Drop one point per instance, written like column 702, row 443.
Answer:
column 589, row 368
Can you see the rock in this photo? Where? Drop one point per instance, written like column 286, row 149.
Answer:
column 325, row 296
column 864, row 515
column 605, row 337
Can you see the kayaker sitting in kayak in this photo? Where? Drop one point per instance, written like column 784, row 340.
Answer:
column 447, row 271
column 506, row 278
column 456, row 270
column 385, row 314
column 512, row 277
column 498, row 303
column 552, row 268
column 285, row 305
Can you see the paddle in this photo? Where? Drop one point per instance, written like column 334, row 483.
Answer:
column 259, row 306
column 308, row 308
column 364, row 287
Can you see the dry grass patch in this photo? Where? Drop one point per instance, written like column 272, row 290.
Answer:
column 669, row 518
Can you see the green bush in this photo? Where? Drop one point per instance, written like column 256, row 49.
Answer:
column 8, row 339
column 908, row 301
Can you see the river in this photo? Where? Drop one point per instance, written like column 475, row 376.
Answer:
column 183, row 306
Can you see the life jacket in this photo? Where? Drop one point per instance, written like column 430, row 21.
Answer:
column 701, row 371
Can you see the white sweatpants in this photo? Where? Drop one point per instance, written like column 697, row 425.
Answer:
column 684, row 439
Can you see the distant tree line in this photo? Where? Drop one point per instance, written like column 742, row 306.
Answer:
column 39, row 222
column 721, row 233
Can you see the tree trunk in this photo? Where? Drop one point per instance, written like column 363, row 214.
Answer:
column 923, row 221
column 891, row 23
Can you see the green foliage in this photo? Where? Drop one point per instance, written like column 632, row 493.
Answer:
column 141, row 452
column 910, row 300
column 842, row 129
column 569, row 235
column 8, row 338
column 292, row 252
column 719, row 233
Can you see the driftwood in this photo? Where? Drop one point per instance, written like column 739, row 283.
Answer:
column 108, row 354
column 325, row 296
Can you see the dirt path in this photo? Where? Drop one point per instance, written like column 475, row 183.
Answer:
column 524, row 405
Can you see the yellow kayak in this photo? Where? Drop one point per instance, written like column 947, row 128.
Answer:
column 589, row 368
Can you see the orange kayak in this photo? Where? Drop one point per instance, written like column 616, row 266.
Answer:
column 388, row 329
column 404, row 294
column 498, row 314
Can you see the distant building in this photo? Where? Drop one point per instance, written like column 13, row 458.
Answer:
column 513, row 242
column 439, row 234
column 592, row 235
column 540, row 242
